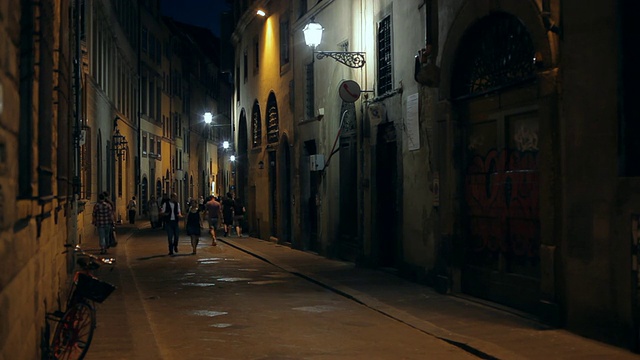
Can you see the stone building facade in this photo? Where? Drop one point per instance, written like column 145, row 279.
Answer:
column 36, row 172
column 490, row 152
column 59, row 131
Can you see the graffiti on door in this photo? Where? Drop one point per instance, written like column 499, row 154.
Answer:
column 502, row 197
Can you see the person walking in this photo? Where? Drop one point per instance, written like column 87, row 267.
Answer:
column 227, row 214
column 132, row 206
column 201, row 207
column 154, row 212
column 238, row 215
column 112, row 241
column 212, row 207
column 103, row 220
column 172, row 214
column 194, row 225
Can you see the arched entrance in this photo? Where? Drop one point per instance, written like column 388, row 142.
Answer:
column 386, row 191
column 243, row 159
column 286, row 220
column 494, row 94
column 349, row 247
column 273, row 135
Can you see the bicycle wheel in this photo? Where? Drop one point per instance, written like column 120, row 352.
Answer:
column 74, row 332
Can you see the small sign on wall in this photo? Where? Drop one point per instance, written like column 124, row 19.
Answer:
column 412, row 128
column 316, row 162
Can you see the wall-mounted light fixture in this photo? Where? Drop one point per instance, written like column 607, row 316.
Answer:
column 214, row 120
column 261, row 165
column 120, row 143
column 261, row 12
column 313, row 37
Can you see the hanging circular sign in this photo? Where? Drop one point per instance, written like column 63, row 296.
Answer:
column 349, row 91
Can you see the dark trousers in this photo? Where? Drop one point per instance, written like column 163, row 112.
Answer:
column 172, row 234
column 132, row 216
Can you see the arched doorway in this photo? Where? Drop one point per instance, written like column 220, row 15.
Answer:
column 386, row 192
column 286, row 220
column 273, row 135
column 242, row 172
column 494, row 94
column 349, row 247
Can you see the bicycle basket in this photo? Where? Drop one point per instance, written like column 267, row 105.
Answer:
column 93, row 289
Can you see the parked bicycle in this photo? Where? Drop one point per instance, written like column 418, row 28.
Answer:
column 76, row 324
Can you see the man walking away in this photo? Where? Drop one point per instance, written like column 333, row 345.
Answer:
column 104, row 222
column 213, row 214
column 172, row 214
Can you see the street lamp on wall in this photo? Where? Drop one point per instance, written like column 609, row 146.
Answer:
column 120, row 143
column 313, row 37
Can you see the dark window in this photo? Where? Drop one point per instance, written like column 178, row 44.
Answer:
column 384, row 56
column 144, row 39
column 144, row 144
column 25, row 144
column 238, row 83
column 246, row 66
column 284, row 42
column 309, row 93
column 302, row 8
column 256, row 53
column 494, row 53
column 45, row 101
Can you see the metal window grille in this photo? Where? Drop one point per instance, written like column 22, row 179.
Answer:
column 256, row 126
column 384, row 56
column 273, row 120
column 495, row 53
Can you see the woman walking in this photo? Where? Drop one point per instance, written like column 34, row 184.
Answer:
column 194, row 224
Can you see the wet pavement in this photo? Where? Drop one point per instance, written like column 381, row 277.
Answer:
column 247, row 299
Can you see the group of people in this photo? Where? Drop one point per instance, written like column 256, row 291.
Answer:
column 169, row 213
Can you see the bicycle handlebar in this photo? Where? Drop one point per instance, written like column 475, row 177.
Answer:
column 78, row 250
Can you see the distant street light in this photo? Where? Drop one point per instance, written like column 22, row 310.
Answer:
column 208, row 117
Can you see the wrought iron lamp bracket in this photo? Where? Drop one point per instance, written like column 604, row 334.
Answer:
column 351, row 59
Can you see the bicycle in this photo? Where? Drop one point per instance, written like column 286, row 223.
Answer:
column 77, row 323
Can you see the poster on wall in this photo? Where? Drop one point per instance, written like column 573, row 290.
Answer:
column 412, row 129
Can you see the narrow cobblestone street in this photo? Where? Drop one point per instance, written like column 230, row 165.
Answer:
column 252, row 299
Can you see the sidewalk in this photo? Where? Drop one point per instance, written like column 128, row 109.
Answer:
column 482, row 330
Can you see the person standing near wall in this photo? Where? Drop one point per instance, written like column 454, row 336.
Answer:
column 132, row 206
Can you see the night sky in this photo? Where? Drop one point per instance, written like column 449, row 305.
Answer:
column 203, row 13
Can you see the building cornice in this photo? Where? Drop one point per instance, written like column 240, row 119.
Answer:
column 246, row 19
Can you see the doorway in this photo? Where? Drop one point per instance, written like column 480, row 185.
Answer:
column 386, row 190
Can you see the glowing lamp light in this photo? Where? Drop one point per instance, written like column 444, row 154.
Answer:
column 208, row 117
column 261, row 12
column 232, row 158
column 313, row 34
column 225, row 144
